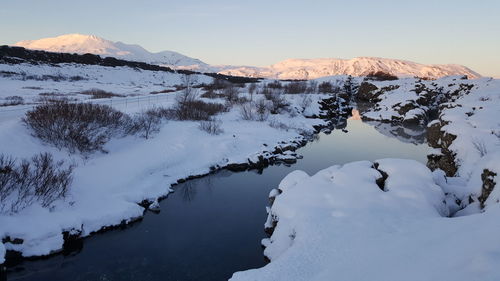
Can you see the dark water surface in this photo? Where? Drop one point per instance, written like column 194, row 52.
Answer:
column 211, row 227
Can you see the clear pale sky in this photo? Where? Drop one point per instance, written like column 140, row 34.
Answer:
column 265, row 32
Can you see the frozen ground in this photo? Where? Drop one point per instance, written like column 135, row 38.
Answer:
column 343, row 224
column 107, row 187
column 329, row 224
column 340, row 225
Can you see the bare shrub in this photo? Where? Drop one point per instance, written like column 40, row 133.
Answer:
column 12, row 100
column 262, row 110
column 297, row 87
column 210, row 94
column 251, row 90
column 188, row 92
column 231, row 93
column 197, row 110
column 325, row 87
column 99, row 94
column 39, row 179
column 480, row 146
column 381, row 76
column 312, row 87
column 217, row 84
column 274, row 85
column 278, row 102
column 211, row 126
column 146, row 123
column 248, row 111
column 83, row 127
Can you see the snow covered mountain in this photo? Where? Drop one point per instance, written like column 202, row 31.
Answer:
column 315, row 68
column 81, row 44
column 287, row 69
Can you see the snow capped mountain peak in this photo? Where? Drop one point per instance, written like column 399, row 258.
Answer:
column 287, row 69
column 81, row 44
column 359, row 66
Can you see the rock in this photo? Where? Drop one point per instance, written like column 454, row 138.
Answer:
column 366, row 92
column 488, row 185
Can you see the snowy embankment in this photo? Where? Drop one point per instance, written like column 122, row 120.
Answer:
column 395, row 219
column 108, row 187
column 465, row 135
column 367, row 221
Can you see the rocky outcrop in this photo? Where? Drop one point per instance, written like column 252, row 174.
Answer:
column 367, row 92
column 443, row 158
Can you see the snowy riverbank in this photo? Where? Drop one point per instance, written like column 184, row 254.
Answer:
column 385, row 221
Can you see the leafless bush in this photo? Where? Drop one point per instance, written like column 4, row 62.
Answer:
column 248, row 111
column 211, row 126
column 146, row 123
column 297, row 87
column 278, row 102
column 83, row 127
column 197, row 110
column 188, row 93
column 480, row 146
column 231, row 93
column 99, row 94
column 217, row 84
column 274, row 85
column 381, row 76
column 262, row 110
column 312, row 87
column 210, row 94
column 251, row 90
column 39, row 179
column 326, row 87
column 12, row 100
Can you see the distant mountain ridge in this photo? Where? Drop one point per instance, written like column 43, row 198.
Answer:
column 315, row 68
column 81, row 44
column 287, row 69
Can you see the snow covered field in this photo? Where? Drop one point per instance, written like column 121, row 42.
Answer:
column 343, row 224
column 107, row 187
column 414, row 223
column 397, row 220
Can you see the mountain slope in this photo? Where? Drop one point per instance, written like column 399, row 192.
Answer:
column 315, row 68
column 287, row 69
column 81, row 44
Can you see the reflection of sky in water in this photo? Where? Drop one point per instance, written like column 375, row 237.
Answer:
column 361, row 142
column 209, row 227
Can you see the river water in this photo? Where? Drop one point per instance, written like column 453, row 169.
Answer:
column 212, row 226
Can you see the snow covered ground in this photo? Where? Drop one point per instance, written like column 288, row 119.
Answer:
column 107, row 187
column 340, row 225
column 395, row 219
column 329, row 224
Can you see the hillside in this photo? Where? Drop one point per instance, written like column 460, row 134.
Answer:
column 315, row 68
column 82, row 44
column 287, row 69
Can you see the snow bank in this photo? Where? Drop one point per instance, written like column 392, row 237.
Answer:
column 340, row 225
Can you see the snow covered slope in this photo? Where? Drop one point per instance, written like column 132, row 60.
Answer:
column 81, row 44
column 340, row 225
column 315, row 68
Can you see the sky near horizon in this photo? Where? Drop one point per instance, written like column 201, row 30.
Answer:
column 265, row 32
